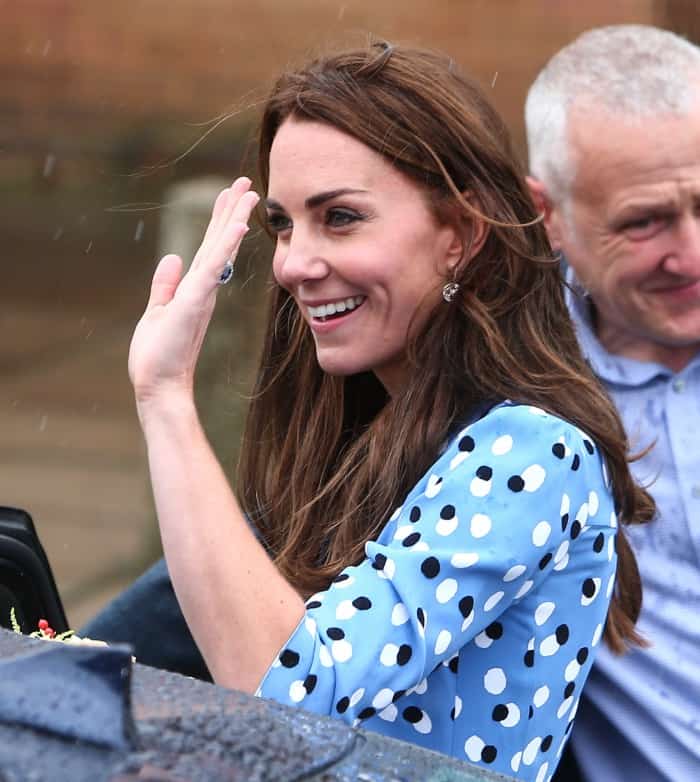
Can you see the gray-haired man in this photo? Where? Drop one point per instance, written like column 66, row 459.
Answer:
column 613, row 123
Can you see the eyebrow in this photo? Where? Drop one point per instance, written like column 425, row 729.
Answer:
column 316, row 200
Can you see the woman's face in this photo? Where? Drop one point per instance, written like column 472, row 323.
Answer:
column 357, row 247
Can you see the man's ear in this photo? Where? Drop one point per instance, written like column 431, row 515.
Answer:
column 545, row 206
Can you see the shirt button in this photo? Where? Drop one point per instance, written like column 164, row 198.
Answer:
column 678, row 385
column 695, row 491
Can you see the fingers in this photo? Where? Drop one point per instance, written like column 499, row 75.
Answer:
column 224, row 207
column 166, row 278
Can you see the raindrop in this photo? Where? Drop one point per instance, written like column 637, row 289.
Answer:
column 49, row 164
column 139, row 231
column 89, row 247
column 47, row 48
column 493, row 81
column 43, row 423
column 58, row 233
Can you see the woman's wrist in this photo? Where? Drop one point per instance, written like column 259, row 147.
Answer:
column 174, row 408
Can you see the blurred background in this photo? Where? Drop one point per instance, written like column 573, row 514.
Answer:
column 118, row 125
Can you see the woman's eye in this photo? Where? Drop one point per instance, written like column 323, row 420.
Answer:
column 278, row 222
column 645, row 227
column 338, row 218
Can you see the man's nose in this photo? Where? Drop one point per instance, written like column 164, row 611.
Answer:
column 685, row 259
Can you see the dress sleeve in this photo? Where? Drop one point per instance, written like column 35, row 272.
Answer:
column 471, row 539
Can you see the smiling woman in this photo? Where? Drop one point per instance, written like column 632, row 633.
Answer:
column 435, row 475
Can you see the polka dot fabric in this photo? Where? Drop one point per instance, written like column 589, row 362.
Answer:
column 472, row 623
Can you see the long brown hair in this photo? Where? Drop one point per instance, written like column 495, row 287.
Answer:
column 325, row 459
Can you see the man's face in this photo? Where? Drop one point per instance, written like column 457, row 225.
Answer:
column 631, row 231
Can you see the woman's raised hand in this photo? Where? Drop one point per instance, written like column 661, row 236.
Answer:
column 169, row 336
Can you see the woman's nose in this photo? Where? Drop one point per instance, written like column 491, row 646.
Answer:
column 298, row 260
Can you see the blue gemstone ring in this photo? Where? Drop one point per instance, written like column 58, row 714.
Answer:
column 227, row 273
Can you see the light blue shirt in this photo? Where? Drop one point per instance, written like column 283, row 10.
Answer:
column 639, row 717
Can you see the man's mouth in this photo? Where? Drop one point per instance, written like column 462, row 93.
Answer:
column 335, row 309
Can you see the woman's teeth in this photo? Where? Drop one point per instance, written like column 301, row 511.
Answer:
column 324, row 311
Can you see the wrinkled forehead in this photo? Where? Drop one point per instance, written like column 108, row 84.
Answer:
column 609, row 148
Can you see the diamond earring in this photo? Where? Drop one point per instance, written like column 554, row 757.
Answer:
column 449, row 291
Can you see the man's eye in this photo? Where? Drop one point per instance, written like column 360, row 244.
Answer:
column 278, row 222
column 645, row 227
column 337, row 218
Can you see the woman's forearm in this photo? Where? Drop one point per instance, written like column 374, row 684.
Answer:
column 238, row 606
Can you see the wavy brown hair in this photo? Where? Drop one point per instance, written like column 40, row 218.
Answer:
column 325, row 460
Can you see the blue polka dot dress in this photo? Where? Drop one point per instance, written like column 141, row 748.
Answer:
column 471, row 625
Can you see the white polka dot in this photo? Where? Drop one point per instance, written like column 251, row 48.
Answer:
column 613, row 520
column 593, row 503
column 443, row 641
column 420, row 546
column 403, row 532
column 464, row 559
column 423, row 725
column 324, row 657
column 495, row 681
column 543, row 612
column 457, row 707
column 467, row 621
column 446, row 527
column 399, row 615
column 534, row 477
column 473, row 747
column 515, row 762
column 502, row 445
column 458, row 459
column 513, row 717
column 582, row 514
column 480, row 488
column 357, row 696
column 572, row 670
column 596, row 635
column 565, row 505
column 541, row 696
column 574, row 710
column 422, row 687
column 344, row 584
column 611, row 549
column 383, row 698
column 310, row 625
column 341, row 651
column 482, row 640
column 549, row 646
column 565, row 706
column 297, row 691
column 388, row 570
column 515, row 572
column 480, row 525
column 524, row 589
column 434, row 486
column 345, row 610
column 396, row 514
column 542, row 773
column 388, row 655
column 541, row 533
column 530, row 752
column 493, row 601
column 446, row 590
column 389, row 714
column 537, row 411
column 611, row 586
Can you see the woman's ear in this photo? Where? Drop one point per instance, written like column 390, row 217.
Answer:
column 469, row 239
